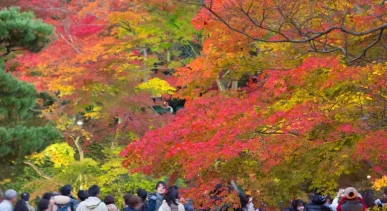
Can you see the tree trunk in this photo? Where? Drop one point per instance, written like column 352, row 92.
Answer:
column 145, row 69
column 79, row 148
column 220, row 85
column 234, row 85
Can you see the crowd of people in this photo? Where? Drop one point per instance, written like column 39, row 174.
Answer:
column 168, row 199
column 348, row 199
column 164, row 199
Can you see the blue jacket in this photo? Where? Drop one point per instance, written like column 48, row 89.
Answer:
column 154, row 202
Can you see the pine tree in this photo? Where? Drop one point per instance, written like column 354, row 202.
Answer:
column 22, row 132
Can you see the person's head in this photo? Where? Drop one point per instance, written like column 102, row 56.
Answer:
column 94, row 191
column 177, row 190
column 83, row 195
column 142, row 194
column 43, row 205
column 298, row 204
column 351, row 193
column 161, row 187
column 368, row 197
column 66, row 190
column 126, row 199
column 135, row 202
column 109, row 199
column 49, row 196
column 25, row 196
column 10, row 195
column 172, row 196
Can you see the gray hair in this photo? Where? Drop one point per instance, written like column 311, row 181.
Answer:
column 10, row 194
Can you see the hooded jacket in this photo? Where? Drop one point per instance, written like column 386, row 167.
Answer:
column 92, row 204
column 318, row 204
column 61, row 201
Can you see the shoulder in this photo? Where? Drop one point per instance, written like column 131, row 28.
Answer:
column 102, row 204
column 73, row 201
column 152, row 197
column 80, row 205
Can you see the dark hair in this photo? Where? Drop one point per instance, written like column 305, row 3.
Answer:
column 368, row 197
column 94, row 190
column 142, row 194
column 127, row 198
column 25, row 196
column 171, row 196
column 48, row 195
column 109, row 199
column 66, row 190
column 177, row 189
column 21, row 205
column 297, row 202
column 133, row 201
column 161, row 183
column 83, row 195
column 43, row 204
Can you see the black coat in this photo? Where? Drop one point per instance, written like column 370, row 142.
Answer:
column 318, row 204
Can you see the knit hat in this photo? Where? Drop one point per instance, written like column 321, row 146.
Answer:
column 351, row 193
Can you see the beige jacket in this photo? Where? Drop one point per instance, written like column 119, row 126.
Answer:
column 112, row 207
column 92, row 204
column 165, row 207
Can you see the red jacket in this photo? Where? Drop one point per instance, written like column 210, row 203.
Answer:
column 343, row 200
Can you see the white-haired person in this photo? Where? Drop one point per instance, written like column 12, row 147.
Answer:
column 9, row 199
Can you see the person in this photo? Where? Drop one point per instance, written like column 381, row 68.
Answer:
column 133, row 203
column 65, row 201
column 43, row 205
column 297, row 205
column 93, row 203
column 9, row 198
column 82, row 195
column 336, row 200
column 369, row 200
column 187, row 203
column 22, row 203
column 49, row 196
column 384, row 197
column 155, row 200
column 143, row 194
column 249, row 205
column 352, row 201
column 126, row 200
column 26, row 197
column 109, row 201
column 171, row 202
column 318, row 203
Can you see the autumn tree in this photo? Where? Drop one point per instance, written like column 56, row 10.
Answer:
column 313, row 113
column 22, row 131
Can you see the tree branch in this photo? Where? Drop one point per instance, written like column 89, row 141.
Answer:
column 38, row 170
